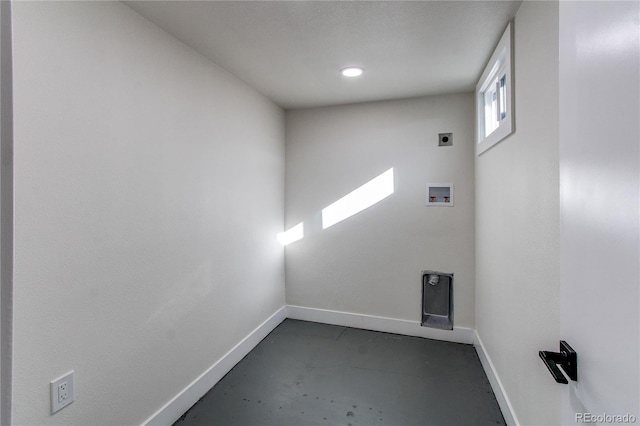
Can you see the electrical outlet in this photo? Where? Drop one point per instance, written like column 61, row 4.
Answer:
column 445, row 139
column 62, row 392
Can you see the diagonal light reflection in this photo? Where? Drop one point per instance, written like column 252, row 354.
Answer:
column 291, row 235
column 377, row 189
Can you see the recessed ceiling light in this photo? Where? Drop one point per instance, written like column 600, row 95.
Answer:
column 352, row 71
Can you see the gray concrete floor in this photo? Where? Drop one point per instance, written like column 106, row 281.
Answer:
column 306, row 373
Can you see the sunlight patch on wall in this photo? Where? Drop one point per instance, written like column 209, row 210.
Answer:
column 293, row 234
column 377, row 189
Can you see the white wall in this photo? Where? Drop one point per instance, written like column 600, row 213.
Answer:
column 371, row 263
column 599, row 200
column 148, row 193
column 6, row 212
column 517, row 227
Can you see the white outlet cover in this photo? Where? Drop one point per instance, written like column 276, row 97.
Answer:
column 62, row 392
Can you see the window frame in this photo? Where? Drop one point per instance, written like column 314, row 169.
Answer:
column 499, row 65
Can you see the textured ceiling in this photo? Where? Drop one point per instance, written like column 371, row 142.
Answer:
column 292, row 51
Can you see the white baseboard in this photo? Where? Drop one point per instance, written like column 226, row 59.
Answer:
column 498, row 390
column 175, row 408
column 387, row 325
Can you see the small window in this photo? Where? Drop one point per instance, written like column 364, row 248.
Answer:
column 494, row 95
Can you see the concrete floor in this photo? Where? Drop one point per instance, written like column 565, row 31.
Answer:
column 306, row 373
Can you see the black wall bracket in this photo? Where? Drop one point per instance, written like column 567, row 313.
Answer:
column 566, row 358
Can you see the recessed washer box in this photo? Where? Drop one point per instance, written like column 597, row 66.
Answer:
column 440, row 194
